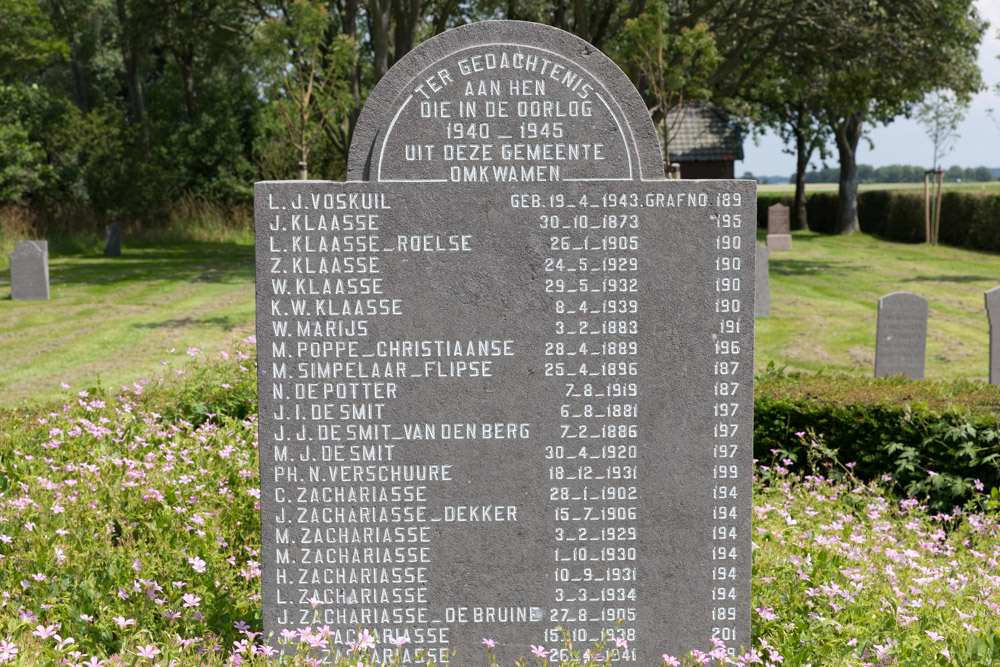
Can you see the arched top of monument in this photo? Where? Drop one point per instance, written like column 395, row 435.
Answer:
column 908, row 298
column 524, row 97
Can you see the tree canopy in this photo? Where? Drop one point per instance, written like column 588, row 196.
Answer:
column 129, row 106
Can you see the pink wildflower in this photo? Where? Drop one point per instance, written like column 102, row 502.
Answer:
column 8, row 651
column 365, row 640
column 148, row 651
column 539, row 651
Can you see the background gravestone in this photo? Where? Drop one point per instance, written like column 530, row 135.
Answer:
column 762, row 283
column 901, row 343
column 113, row 241
column 779, row 236
column 506, row 371
column 29, row 271
column 993, row 314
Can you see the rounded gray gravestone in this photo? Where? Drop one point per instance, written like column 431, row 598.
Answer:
column 901, row 344
column 29, row 271
column 992, row 298
column 505, row 371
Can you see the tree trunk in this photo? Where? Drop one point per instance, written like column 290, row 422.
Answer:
column 847, row 130
column 350, row 16
column 130, row 58
column 379, row 14
column 560, row 15
column 443, row 16
column 803, row 151
column 407, row 18
column 79, row 85
column 581, row 24
column 185, row 63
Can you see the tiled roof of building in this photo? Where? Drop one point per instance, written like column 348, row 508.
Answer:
column 705, row 133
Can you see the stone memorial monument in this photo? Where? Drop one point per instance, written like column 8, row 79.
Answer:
column 762, row 283
column 901, row 343
column 993, row 314
column 506, row 369
column 779, row 235
column 29, row 271
column 113, row 241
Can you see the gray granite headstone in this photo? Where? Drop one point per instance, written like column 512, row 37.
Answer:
column 762, row 283
column 29, row 271
column 779, row 236
column 506, row 369
column 993, row 314
column 901, row 343
column 113, row 241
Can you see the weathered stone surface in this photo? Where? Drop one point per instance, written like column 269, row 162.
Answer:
column 778, row 219
column 29, row 271
column 762, row 283
column 778, row 228
column 113, row 241
column 509, row 364
column 992, row 298
column 779, row 241
column 901, row 343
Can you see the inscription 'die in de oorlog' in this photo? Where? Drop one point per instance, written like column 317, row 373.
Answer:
column 505, row 370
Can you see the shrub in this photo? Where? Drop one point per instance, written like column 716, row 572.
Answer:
column 984, row 228
column 935, row 439
column 968, row 219
column 821, row 210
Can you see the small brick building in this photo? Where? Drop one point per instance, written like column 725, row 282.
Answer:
column 707, row 143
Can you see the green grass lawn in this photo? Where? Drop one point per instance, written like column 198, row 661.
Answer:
column 824, row 295
column 789, row 188
column 116, row 318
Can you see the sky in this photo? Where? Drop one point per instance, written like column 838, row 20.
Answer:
column 905, row 141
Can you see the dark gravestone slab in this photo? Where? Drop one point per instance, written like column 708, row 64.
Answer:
column 779, row 235
column 762, row 283
column 505, row 374
column 993, row 314
column 901, row 335
column 113, row 241
column 29, row 271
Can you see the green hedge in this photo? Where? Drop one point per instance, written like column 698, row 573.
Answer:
column 968, row 219
column 934, row 438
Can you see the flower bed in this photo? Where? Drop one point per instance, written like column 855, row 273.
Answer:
column 130, row 535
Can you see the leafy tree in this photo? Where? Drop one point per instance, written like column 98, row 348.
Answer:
column 20, row 156
column 940, row 113
column 674, row 66
column 29, row 47
column 29, row 43
column 306, row 74
column 885, row 56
